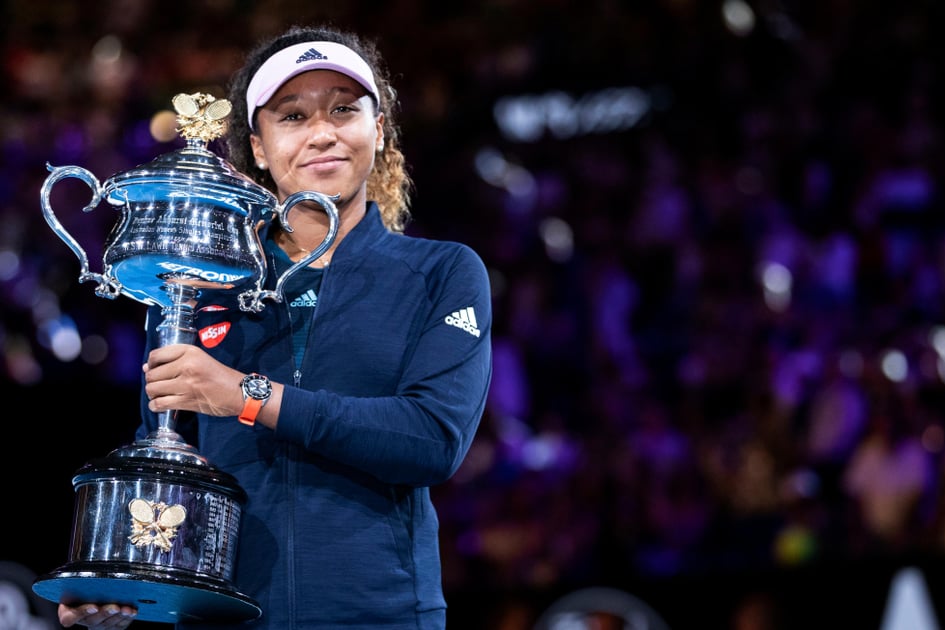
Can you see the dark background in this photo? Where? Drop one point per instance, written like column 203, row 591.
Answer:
column 656, row 396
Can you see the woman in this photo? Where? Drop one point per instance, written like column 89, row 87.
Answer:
column 376, row 362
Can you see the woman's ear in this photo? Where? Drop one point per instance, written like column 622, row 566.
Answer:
column 259, row 155
column 379, row 143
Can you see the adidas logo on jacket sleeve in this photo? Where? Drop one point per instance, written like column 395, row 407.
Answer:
column 464, row 319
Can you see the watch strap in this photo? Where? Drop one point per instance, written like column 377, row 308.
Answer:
column 250, row 410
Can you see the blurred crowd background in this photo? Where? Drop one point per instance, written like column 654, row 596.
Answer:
column 715, row 236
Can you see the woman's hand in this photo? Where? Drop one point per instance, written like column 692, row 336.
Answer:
column 97, row 616
column 184, row 377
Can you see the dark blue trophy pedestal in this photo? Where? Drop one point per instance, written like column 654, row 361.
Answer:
column 159, row 596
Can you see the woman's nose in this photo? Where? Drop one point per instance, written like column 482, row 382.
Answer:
column 321, row 132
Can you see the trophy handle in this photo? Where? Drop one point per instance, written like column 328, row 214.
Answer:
column 251, row 302
column 107, row 287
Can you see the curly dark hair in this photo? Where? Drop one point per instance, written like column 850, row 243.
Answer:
column 389, row 184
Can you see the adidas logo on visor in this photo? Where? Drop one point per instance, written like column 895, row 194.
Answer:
column 310, row 55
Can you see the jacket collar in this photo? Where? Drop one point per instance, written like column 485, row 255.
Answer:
column 368, row 230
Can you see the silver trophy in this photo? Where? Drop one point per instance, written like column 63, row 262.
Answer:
column 155, row 525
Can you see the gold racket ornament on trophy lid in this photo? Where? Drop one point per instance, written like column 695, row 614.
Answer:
column 201, row 116
column 155, row 525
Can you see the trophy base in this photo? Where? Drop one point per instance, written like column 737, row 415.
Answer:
column 159, row 596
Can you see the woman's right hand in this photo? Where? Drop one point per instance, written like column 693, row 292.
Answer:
column 97, row 616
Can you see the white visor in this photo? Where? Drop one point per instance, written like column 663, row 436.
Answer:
column 300, row 58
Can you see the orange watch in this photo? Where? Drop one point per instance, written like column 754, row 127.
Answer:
column 256, row 392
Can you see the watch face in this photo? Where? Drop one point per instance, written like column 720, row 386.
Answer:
column 256, row 386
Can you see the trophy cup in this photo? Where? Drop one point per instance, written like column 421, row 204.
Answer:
column 155, row 524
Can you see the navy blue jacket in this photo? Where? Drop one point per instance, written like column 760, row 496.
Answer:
column 339, row 530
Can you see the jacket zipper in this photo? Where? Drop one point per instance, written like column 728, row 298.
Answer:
column 297, row 371
column 290, row 470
